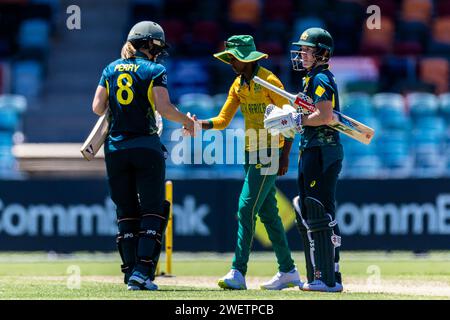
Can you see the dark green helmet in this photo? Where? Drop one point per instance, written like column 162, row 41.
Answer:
column 147, row 31
column 317, row 38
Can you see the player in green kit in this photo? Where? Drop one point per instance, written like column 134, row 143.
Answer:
column 258, row 192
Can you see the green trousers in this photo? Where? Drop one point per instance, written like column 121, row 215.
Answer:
column 258, row 197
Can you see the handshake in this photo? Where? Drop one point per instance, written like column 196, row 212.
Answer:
column 191, row 127
column 285, row 120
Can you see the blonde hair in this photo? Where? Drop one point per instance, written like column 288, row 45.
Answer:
column 128, row 51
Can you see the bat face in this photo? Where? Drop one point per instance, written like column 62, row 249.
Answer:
column 352, row 128
column 341, row 123
column 98, row 135
column 96, row 138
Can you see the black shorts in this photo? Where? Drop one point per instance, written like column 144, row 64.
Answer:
column 136, row 181
column 318, row 178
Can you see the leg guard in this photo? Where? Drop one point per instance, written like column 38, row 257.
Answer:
column 151, row 235
column 302, row 227
column 166, row 208
column 324, row 241
column 127, row 240
column 337, row 243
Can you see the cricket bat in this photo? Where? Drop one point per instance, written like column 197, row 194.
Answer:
column 98, row 135
column 96, row 138
column 341, row 122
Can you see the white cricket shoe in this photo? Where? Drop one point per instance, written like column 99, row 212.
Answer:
column 320, row 286
column 233, row 280
column 283, row 280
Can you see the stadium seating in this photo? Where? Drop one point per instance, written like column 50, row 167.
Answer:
column 389, row 8
column 367, row 86
column 441, row 30
column 406, row 101
column 411, row 38
column 436, row 72
column 442, row 8
column 378, row 41
column 27, row 78
column 445, row 112
column 34, row 34
column 177, row 9
column 440, row 43
column 361, row 161
column 11, row 110
column 358, row 105
column 219, row 100
column 410, row 140
column 422, row 105
column 197, row 103
column 427, row 149
column 207, row 35
column 245, row 11
column 444, row 106
column 188, row 76
column 280, row 10
column 351, row 17
column 312, row 7
column 393, row 148
column 391, row 111
column 417, row 10
column 11, row 107
column 303, row 23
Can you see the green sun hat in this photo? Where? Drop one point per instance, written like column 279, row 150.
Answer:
column 241, row 47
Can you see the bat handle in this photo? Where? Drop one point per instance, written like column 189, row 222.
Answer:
column 275, row 89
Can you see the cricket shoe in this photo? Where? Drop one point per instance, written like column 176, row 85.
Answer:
column 283, row 280
column 320, row 286
column 138, row 281
column 233, row 280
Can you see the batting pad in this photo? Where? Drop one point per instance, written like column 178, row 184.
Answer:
column 320, row 228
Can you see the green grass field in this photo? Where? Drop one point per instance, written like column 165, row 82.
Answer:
column 400, row 275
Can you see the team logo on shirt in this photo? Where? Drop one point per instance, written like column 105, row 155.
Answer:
column 320, row 91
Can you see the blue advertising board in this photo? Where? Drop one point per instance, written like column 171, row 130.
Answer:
column 74, row 215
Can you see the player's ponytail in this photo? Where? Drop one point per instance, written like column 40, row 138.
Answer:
column 128, row 51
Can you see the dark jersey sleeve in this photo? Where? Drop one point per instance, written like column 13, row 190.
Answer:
column 160, row 78
column 322, row 88
column 103, row 79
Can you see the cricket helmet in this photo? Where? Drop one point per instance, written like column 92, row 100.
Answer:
column 145, row 31
column 317, row 38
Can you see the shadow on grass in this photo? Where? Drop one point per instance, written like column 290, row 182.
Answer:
column 180, row 288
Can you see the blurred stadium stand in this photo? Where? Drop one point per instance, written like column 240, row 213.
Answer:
column 395, row 79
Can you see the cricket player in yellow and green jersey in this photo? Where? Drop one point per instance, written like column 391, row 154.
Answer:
column 258, row 192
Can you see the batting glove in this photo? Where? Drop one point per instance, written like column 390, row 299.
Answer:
column 159, row 123
column 279, row 120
